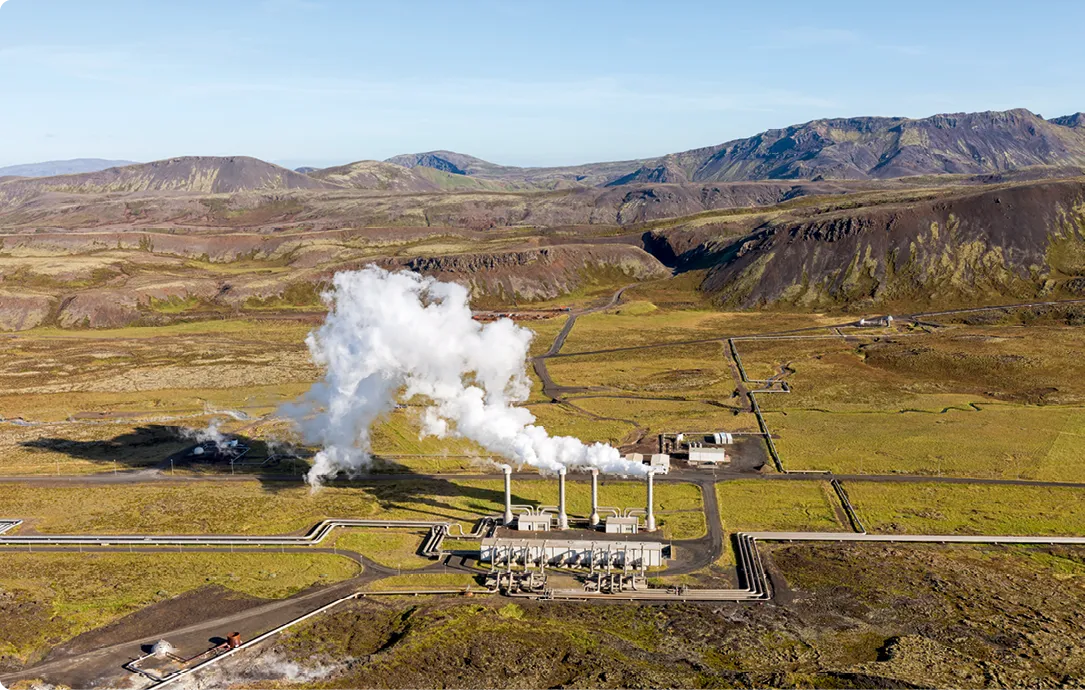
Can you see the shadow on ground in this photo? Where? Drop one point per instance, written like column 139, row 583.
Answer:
column 394, row 487
column 164, row 447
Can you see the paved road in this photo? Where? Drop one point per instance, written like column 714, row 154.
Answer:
column 551, row 389
column 708, row 549
column 106, row 663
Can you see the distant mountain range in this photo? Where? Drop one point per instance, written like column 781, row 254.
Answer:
column 859, row 148
column 69, row 167
column 872, row 214
column 848, row 149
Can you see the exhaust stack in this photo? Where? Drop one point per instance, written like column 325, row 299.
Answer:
column 650, row 519
column 563, row 519
column 594, row 519
column 508, row 494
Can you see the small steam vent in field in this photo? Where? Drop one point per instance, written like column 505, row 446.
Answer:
column 392, row 336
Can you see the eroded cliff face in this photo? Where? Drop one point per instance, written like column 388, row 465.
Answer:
column 1018, row 242
column 72, row 284
column 541, row 274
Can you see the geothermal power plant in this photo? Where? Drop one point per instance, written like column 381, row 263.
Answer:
column 598, row 544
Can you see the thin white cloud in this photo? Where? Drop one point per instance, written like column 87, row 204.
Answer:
column 819, row 36
column 138, row 67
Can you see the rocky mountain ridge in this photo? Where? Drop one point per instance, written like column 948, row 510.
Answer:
column 856, row 148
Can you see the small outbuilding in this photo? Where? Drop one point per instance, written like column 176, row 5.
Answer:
column 707, row 455
column 533, row 523
column 622, row 525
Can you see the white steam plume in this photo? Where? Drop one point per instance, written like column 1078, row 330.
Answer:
column 391, row 336
column 211, row 434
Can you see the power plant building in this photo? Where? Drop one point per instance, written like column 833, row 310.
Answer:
column 580, row 553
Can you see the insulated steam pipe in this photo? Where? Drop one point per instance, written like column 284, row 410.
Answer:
column 650, row 521
column 508, row 494
column 563, row 519
column 593, row 520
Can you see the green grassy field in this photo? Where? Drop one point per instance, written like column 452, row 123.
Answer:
column 399, row 433
column 898, row 369
column 995, row 441
column 633, row 325
column 562, row 420
column 393, row 548
column 969, row 509
column 52, row 597
column 698, row 371
column 437, row 581
column 658, row 416
column 253, row 507
column 545, row 331
column 776, row 506
column 997, row 401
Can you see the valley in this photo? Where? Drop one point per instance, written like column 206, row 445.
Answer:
column 885, row 322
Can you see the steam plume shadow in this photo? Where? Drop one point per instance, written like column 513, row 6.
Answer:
column 163, row 447
column 438, row 497
column 396, row 488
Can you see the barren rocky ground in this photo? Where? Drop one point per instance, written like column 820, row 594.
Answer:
column 845, row 616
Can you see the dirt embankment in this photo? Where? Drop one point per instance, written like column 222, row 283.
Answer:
column 81, row 280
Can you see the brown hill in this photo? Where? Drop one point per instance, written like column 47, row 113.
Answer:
column 1018, row 241
column 200, row 174
column 382, row 176
column 588, row 175
column 1075, row 120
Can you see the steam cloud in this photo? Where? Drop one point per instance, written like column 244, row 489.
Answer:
column 401, row 336
column 211, row 434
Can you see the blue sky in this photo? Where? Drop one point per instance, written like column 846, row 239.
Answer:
column 323, row 82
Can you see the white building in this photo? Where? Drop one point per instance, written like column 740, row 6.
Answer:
column 660, row 462
column 622, row 525
column 533, row 523
column 707, row 455
column 573, row 552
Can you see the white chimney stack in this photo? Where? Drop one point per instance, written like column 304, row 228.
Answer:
column 593, row 520
column 563, row 519
column 650, row 520
column 508, row 494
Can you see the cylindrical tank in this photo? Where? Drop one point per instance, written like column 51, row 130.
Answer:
column 563, row 519
column 650, row 520
column 593, row 520
column 508, row 494
column 234, row 640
